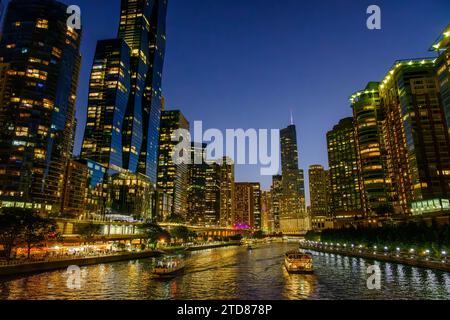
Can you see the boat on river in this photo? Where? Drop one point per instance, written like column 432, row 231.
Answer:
column 169, row 268
column 299, row 262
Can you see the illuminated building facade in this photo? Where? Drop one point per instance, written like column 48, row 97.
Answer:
column 196, row 189
column 142, row 26
column 267, row 220
column 38, row 112
column 131, row 194
column 318, row 196
column 371, row 152
column 345, row 201
column 172, row 178
column 212, row 194
column 276, row 192
column 293, row 218
column 247, row 206
column 109, row 89
column 442, row 46
column 75, row 187
column 226, row 176
column 416, row 134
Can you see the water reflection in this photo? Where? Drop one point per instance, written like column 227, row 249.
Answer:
column 235, row 273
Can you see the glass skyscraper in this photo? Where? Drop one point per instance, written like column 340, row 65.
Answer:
column 42, row 57
column 172, row 178
column 109, row 89
column 142, row 26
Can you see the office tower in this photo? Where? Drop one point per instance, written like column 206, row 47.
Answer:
column 267, row 221
column 442, row 46
column 371, row 152
column 416, row 136
column 196, row 188
column 318, row 196
column 345, row 202
column 109, row 89
column 293, row 217
column 247, row 206
column 172, row 178
column 226, row 172
column 142, row 26
column 276, row 192
column 212, row 194
column 97, row 196
column 74, row 192
column 131, row 197
column 38, row 112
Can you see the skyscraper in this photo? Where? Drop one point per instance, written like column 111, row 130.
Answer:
column 318, row 195
column 38, row 112
column 212, row 194
column 172, row 178
column 226, row 172
column 267, row 221
column 109, row 89
column 196, row 188
column 142, row 26
column 442, row 46
column 247, row 206
column 276, row 192
column 371, row 151
column 345, row 202
column 416, row 136
column 293, row 217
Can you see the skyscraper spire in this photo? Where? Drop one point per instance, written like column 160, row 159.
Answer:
column 292, row 118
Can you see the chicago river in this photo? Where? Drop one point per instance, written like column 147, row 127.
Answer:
column 235, row 273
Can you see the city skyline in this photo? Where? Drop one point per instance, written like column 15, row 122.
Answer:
column 196, row 92
column 148, row 211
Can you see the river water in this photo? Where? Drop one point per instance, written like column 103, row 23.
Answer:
column 235, row 273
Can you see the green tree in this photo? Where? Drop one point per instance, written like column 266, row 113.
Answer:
column 89, row 231
column 11, row 228
column 36, row 230
column 182, row 233
column 384, row 209
column 153, row 232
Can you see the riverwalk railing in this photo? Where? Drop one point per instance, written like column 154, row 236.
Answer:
column 384, row 254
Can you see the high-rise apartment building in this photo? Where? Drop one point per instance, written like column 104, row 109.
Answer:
column 172, row 178
column 267, row 220
column 345, row 201
column 226, row 176
column 318, row 181
column 371, row 152
column 442, row 46
column 212, row 194
column 416, row 136
column 276, row 192
column 37, row 115
column 196, row 188
column 247, row 206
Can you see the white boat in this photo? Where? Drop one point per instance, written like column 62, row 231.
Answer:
column 299, row 262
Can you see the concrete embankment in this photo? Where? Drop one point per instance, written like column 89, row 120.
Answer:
column 392, row 258
column 44, row 266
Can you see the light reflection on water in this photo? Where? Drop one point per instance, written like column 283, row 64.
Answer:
column 236, row 273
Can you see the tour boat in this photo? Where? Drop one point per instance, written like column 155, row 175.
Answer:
column 298, row 262
column 169, row 268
